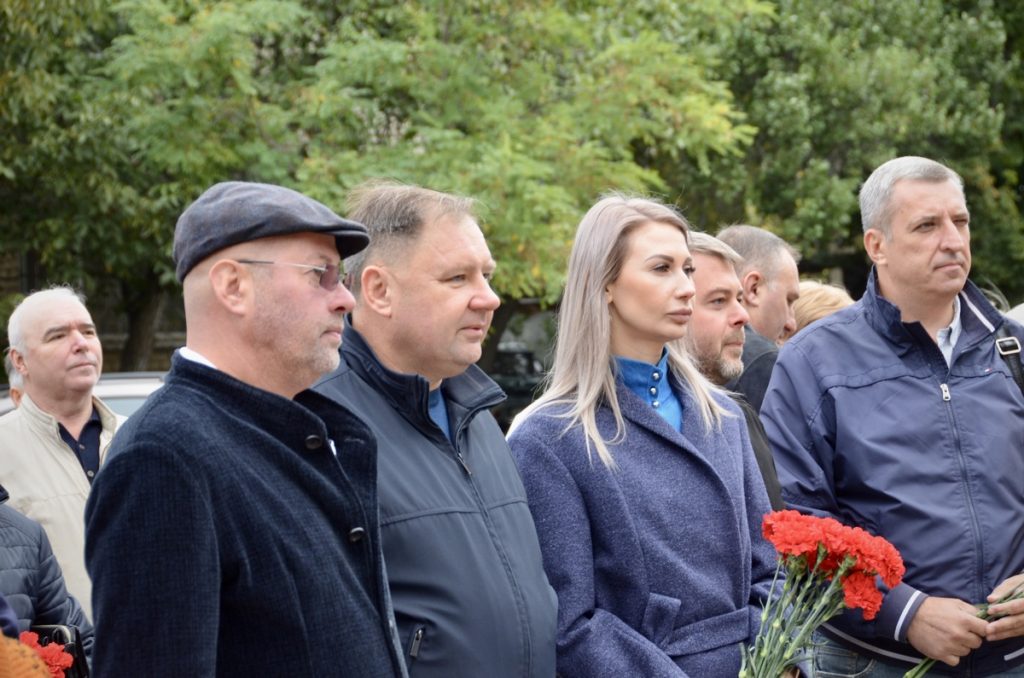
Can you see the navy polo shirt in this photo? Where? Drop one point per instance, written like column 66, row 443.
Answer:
column 87, row 447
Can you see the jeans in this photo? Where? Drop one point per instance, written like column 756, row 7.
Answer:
column 829, row 659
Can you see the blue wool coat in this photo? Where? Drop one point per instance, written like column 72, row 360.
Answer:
column 659, row 565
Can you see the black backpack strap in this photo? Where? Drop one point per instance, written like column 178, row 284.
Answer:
column 1009, row 347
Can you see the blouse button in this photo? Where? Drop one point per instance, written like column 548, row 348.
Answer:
column 655, row 403
column 656, row 376
column 654, row 391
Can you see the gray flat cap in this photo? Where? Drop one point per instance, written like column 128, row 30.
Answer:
column 233, row 212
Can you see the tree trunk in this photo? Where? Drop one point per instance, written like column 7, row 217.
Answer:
column 498, row 324
column 144, row 310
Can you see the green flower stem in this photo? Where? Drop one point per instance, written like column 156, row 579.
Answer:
column 802, row 622
column 774, row 626
column 826, row 607
column 806, row 601
column 754, row 662
column 920, row 669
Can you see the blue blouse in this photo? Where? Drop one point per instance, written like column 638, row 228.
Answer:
column 651, row 383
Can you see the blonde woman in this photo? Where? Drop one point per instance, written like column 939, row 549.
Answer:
column 818, row 300
column 639, row 473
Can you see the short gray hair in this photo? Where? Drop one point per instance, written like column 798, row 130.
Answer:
column 876, row 193
column 761, row 250
column 394, row 214
column 15, row 333
column 709, row 245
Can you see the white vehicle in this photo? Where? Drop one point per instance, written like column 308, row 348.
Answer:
column 123, row 392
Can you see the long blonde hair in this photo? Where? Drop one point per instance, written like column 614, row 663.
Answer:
column 582, row 375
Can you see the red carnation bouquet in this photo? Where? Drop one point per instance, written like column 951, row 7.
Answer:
column 52, row 654
column 823, row 567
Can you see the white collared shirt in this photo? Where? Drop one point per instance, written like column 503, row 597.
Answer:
column 195, row 356
column 948, row 336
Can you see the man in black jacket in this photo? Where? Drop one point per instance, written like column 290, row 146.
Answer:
column 233, row 529
column 715, row 338
column 464, row 564
column 771, row 285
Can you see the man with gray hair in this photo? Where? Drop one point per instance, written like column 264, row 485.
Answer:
column 464, row 562
column 900, row 415
column 715, row 335
column 771, row 284
column 52, row 446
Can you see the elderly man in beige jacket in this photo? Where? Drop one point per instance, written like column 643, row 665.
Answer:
column 52, row 446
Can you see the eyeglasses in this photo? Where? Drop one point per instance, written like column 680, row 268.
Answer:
column 330, row 275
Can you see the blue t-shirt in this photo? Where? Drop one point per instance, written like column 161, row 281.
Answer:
column 439, row 411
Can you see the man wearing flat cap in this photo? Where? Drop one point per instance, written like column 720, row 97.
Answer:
column 233, row 530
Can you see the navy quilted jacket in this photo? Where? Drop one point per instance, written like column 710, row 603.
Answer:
column 30, row 578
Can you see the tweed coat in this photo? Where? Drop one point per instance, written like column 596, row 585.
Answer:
column 659, row 565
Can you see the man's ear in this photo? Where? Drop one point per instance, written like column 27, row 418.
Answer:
column 874, row 245
column 18, row 361
column 754, row 285
column 375, row 290
column 232, row 286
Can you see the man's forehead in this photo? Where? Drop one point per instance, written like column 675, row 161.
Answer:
column 786, row 274
column 454, row 240
column 302, row 244
column 913, row 193
column 55, row 314
column 715, row 272
column 60, row 326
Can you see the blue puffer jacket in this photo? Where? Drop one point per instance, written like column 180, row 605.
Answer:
column 31, row 580
column 869, row 425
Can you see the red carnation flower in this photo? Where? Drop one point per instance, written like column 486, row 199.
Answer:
column 825, row 566
column 52, row 654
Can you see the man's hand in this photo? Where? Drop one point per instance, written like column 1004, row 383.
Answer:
column 1010, row 615
column 946, row 629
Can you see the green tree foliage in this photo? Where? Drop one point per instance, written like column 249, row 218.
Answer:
column 535, row 108
column 835, row 89
column 114, row 117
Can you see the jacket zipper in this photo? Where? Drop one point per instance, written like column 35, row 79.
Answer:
column 947, row 397
column 522, row 617
column 417, row 639
column 462, row 462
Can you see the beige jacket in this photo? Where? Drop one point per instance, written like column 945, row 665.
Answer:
column 46, row 483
